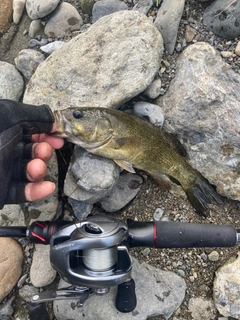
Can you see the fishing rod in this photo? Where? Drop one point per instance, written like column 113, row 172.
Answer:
column 92, row 255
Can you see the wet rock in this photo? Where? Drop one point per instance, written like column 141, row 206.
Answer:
column 226, row 288
column 202, row 309
column 41, row 271
column 97, row 68
column 87, row 6
column 205, row 115
column 28, row 61
column 11, row 258
column 105, row 7
column 125, row 189
column 222, row 18
column 151, row 112
column 90, row 177
column 167, row 22
column 11, row 82
column 40, row 8
column 5, row 15
column 158, row 293
column 63, row 21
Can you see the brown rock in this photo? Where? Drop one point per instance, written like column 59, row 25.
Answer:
column 11, row 258
column 190, row 33
column 6, row 12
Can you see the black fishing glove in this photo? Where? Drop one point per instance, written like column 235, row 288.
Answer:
column 18, row 121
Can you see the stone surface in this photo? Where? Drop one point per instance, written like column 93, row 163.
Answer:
column 202, row 309
column 151, row 112
column 50, row 47
column 237, row 50
column 143, row 6
column 167, row 22
column 6, row 12
column 90, row 177
column 97, row 67
column 11, row 258
column 18, row 7
column 40, row 8
column 41, row 271
column 63, row 21
column 125, row 189
column 222, row 18
column 11, row 82
column 36, row 28
column 205, row 115
column 154, row 90
column 6, row 310
column 105, row 7
column 27, row 61
column 226, row 288
column 87, row 6
column 158, row 293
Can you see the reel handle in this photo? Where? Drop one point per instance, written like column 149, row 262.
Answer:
column 126, row 300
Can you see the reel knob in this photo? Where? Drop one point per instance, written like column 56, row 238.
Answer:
column 126, row 300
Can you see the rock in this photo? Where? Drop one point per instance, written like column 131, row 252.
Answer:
column 35, row 28
column 28, row 61
column 154, row 90
column 226, row 288
column 41, row 271
column 90, row 177
column 213, row 256
column 202, row 309
column 40, row 8
column 190, row 33
column 222, row 18
column 149, row 111
column 158, row 293
column 80, row 209
column 105, row 7
column 87, row 6
column 27, row 292
column 226, row 54
column 18, row 7
column 63, row 21
column 237, row 50
column 11, row 82
column 11, row 258
column 167, row 22
column 5, row 15
column 52, row 46
column 125, row 189
column 204, row 114
column 34, row 43
column 143, row 6
column 97, row 68
column 12, row 215
column 6, row 310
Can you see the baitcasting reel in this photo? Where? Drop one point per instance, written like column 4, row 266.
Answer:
column 92, row 255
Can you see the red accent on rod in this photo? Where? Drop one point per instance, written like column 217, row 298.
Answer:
column 39, row 237
column 40, row 224
column 51, row 230
column 154, row 235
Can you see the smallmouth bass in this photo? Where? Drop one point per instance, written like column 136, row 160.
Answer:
column 133, row 142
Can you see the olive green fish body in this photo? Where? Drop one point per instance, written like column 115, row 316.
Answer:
column 133, row 142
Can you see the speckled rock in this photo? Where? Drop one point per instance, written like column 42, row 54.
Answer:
column 97, row 67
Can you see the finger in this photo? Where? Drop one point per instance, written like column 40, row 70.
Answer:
column 42, row 150
column 36, row 170
column 38, row 190
column 55, row 142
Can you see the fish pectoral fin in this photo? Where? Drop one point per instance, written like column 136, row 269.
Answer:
column 125, row 165
column 163, row 181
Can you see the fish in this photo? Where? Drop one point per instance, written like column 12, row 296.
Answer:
column 132, row 142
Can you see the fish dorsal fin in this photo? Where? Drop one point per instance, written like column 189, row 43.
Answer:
column 125, row 165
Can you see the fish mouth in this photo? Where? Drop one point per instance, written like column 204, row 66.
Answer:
column 63, row 126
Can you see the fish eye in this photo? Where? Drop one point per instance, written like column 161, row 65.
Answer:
column 77, row 114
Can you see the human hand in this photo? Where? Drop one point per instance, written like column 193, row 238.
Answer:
column 22, row 164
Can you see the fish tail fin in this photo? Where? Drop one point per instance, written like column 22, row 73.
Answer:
column 200, row 194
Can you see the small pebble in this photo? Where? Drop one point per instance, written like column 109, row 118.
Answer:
column 213, row 256
column 226, row 54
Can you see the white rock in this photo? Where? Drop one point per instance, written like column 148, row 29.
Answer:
column 152, row 112
column 154, row 90
column 237, row 50
column 18, row 7
column 52, row 46
column 40, row 8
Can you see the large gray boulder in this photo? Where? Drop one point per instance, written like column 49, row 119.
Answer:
column 202, row 106
column 116, row 59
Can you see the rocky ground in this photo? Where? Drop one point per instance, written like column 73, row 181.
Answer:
column 197, row 266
